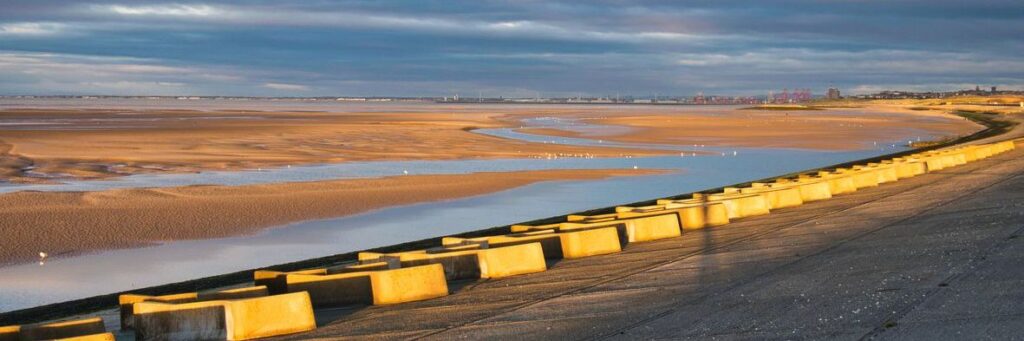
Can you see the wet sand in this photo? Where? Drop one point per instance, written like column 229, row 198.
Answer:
column 63, row 224
column 98, row 143
column 831, row 129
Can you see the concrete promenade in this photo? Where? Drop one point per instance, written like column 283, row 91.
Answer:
column 937, row 256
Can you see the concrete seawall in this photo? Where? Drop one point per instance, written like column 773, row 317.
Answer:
column 930, row 257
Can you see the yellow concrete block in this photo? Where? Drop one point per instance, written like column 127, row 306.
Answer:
column 470, row 262
column 590, row 242
column 862, row 178
column 242, row 319
column 959, row 158
column 949, row 161
column 269, row 316
column 597, row 218
column 10, row 333
column 63, row 329
column 648, row 226
column 970, row 153
column 234, row 294
column 384, row 264
column 841, row 184
column 741, row 205
column 886, row 172
column 691, row 216
column 983, row 151
column 126, row 302
column 275, row 280
column 333, row 290
column 512, row 260
column 575, row 240
column 409, row 284
column 550, row 241
column 777, row 198
column 714, row 214
column 93, row 337
column 639, row 224
column 934, row 163
column 811, row 190
column 910, row 168
column 358, row 287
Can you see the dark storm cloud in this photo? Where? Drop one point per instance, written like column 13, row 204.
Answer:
column 504, row 48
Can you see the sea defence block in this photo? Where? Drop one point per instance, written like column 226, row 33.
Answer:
column 970, row 153
column 909, row 167
column 275, row 280
column 838, row 183
column 573, row 240
column 472, row 262
column 691, row 216
column 886, row 172
column 640, row 224
column 89, row 327
column 242, row 319
column 741, row 205
column 810, row 189
column 715, row 213
column 93, row 337
column 10, row 333
column 862, row 178
column 234, row 294
column 983, row 151
column 126, row 301
column 778, row 197
column 591, row 242
column 1009, row 145
column 934, row 163
column 372, row 287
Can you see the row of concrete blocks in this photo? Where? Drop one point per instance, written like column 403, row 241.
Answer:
column 283, row 302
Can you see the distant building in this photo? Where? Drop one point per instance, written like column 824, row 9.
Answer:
column 993, row 89
column 833, row 93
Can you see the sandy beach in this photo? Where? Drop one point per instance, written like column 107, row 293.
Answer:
column 64, row 224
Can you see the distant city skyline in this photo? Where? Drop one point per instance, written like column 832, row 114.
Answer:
column 518, row 49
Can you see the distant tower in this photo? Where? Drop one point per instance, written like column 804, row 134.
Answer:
column 993, row 89
column 833, row 93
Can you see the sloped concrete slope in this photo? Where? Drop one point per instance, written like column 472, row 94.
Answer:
column 936, row 256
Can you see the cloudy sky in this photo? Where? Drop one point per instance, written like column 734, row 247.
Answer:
column 513, row 48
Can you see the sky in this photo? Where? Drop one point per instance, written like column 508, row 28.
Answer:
column 506, row 48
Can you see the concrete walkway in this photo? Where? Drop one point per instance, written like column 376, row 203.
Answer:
column 938, row 256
